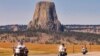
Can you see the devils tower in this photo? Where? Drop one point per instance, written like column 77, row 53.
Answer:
column 45, row 17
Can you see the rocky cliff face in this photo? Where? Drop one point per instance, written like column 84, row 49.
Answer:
column 45, row 17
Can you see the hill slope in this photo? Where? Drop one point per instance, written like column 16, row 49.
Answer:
column 48, row 37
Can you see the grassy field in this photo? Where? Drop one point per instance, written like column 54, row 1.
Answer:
column 6, row 49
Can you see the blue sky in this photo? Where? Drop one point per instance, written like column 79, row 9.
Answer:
column 68, row 11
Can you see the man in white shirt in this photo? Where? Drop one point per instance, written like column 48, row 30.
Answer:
column 62, row 50
column 84, row 50
column 17, row 52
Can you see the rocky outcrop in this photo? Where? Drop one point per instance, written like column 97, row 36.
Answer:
column 45, row 17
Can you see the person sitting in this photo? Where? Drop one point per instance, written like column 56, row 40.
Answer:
column 17, row 51
column 21, row 50
column 84, row 50
column 62, row 50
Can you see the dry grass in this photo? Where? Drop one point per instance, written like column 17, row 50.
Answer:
column 6, row 48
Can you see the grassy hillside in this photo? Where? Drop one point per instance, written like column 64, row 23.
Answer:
column 50, row 37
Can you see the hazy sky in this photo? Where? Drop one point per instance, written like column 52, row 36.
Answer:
column 68, row 11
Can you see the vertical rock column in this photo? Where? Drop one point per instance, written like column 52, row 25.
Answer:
column 45, row 17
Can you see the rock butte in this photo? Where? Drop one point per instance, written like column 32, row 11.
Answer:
column 45, row 17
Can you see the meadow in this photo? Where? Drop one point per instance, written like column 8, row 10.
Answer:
column 6, row 49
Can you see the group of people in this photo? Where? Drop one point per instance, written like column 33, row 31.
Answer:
column 21, row 50
column 63, row 52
